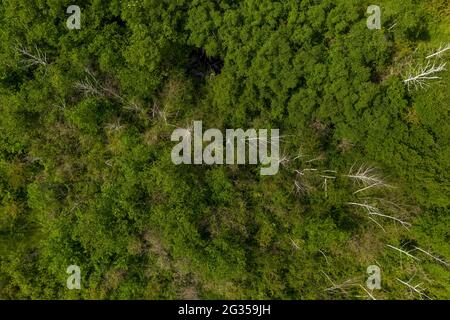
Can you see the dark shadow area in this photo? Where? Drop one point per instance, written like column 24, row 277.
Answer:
column 200, row 64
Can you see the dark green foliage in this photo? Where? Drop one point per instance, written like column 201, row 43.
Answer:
column 86, row 176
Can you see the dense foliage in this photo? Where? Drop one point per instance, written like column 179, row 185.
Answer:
column 86, row 176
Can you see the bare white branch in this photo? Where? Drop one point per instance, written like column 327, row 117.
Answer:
column 114, row 126
column 438, row 53
column 419, row 77
column 342, row 287
column 445, row 263
column 377, row 223
column 35, row 58
column 61, row 104
column 325, row 182
column 300, row 184
column 88, row 87
column 372, row 211
column 134, row 107
column 324, row 255
column 91, row 86
column 404, row 252
column 417, row 288
column 368, row 293
column 319, row 158
column 109, row 163
column 367, row 177
column 294, row 244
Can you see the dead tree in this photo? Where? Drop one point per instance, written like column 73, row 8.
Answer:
column 294, row 244
column 89, row 87
column 366, row 177
column 438, row 53
column 61, row 104
column 324, row 255
column 134, row 106
column 415, row 288
column 374, row 211
column 445, row 263
column 92, row 86
column 36, row 58
column 367, row 292
column 319, row 158
column 325, row 183
column 419, row 77
column 301, row 186
column 340, row 287
column 114, row 126
column 404, row 252
column 161, row 114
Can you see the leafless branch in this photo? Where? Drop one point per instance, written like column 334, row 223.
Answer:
column 61, row 104
column 319, row 158
column 367, row 292
column 114, row 126
column 134, row 106
column 404, row 252
column 35, row 58
column 324, row 255
column 88, row 87
column 415, row 288
column 294, row 244
column 91, row 86
column 438, row 53
column 367, row 177
column 373, row 211
column 300, row 184
column 342, row 287
column 420, row 76
column 445, row 263
column 325, row 183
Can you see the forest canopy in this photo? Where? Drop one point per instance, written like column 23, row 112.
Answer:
column 86, row 176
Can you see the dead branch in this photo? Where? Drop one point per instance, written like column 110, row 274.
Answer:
column 300, row 184
column 420, row 76
column 415, row 288
column 325, row 183
column 438, row 53
column 88, row 87
column 342, row 287
column 445, row 263
column 91, row 86
column 324, row 255
column 366, row 177
column 319, row 158
column 367, row 292
column 134, row 107
column 32, row 59
column 114, row 126
column 294, row 244
column 372, row 210
column 404, row 252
